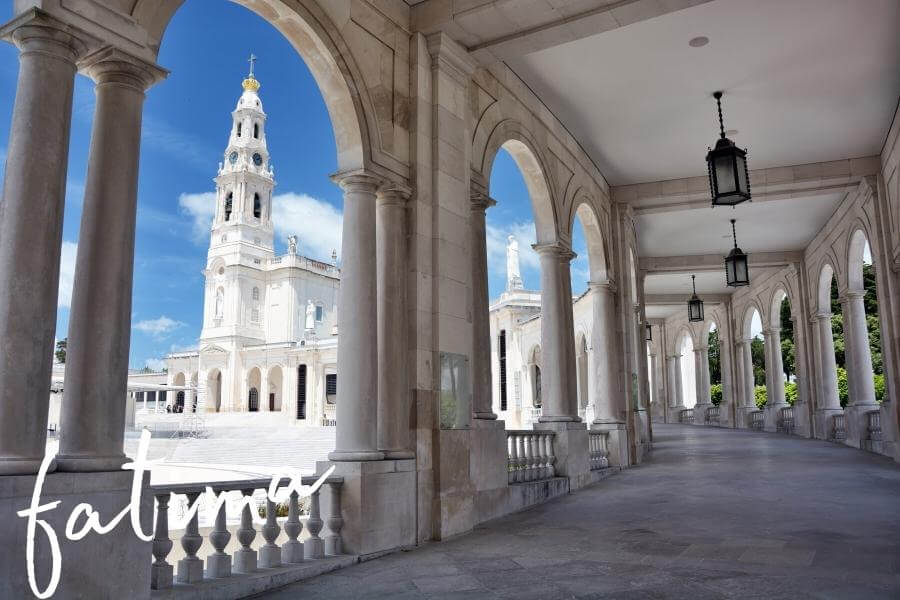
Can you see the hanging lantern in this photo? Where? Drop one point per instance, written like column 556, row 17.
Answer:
column 737, row 269
column 695, row 304
column 729, row 181
column 649, row 334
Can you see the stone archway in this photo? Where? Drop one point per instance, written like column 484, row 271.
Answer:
column 275, row 392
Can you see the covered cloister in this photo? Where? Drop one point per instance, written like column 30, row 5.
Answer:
column 608, row 110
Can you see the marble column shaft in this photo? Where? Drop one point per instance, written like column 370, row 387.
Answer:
column 859, row 356
column 357, row 401
column 603, row 340
column 749, row 375
column 482, row 391
column 556, row 336
column 393, row 386
column 31, row 216
column 672, row 378
column 93, row 414
column 775, row 366
column 679, row 381
column 830, row 397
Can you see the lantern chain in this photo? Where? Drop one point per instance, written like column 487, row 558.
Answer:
column 718, row 97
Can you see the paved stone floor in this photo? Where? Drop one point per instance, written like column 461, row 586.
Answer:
column 714, row 514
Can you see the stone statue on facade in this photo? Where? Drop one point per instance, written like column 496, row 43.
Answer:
column 310, row 315
column 292, row 244
column 513, row 275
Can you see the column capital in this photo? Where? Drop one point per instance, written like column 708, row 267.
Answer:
column 109, row 65
column 821, row 316
column 359, row 180
column 700, row 349
column 852, row 295
column 673, row 356
column 556, row 249
column 608, row 286
column 480, row 201
column 393, row 194
column 770, row 331
column 38, row 31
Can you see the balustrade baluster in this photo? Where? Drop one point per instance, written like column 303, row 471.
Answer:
column 190, row 568
column 532, row 460
column 520, row 445
column 313, row 546
column 218, row 564
column 161, row 571
column 335, row 521
column 604, row 449
column 542, row 456
column 245, row 556
column 292, row 550
column 270, row 553
column 511, row 458
column 551, row 458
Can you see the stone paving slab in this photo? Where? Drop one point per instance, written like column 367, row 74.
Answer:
column 714, row 514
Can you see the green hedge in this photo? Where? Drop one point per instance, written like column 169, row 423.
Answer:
column 715, row 393
column 759, row 393
column 879, row 388
column 790, row 393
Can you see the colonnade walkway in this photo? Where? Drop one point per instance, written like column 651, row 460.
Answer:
column 714, row 513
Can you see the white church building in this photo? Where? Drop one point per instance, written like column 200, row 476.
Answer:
column 269, row 336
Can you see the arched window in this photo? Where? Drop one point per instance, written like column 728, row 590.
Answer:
column 331, row 388
column 228, row 205
column 301, row 392
column 257, row 206
column 256, row 293
column 537, row 386
column 239, row 130
column 253, row 400
column 256, row 130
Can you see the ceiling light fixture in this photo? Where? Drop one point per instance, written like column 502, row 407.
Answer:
column 729, row 180
column 695, row 304
column 737, row 269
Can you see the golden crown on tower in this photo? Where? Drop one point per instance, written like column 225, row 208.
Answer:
column 250, row 83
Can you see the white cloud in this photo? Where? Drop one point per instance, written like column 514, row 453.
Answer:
column 155, row 364
column 201, row 208
column 316, row 223
column 158, row 328
column 67, row 274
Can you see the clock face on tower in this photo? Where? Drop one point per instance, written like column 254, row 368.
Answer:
column 257, row 159
column 232, row 158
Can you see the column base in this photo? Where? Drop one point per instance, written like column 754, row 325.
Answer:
column 75, row 463
column 558, row 419
column 856, row 423
column 398, row 454
column 355, row 455
column 23, row 466
column 824, row 419
column 485, row 415
column 570, row 446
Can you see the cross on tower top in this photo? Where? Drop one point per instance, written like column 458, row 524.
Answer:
column 252, row 61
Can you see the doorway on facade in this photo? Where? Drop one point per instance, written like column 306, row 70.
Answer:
column 253, row 400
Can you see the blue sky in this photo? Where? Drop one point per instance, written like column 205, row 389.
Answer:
column 186, row 124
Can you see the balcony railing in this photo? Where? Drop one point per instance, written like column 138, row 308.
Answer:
column 686, row 416
column 533, row 414
column 838, row 427
column 530, row 455
column 786, row 420
column 757, row 420
column 873, row 425
column 712, row 415
column 598, row 446
column 219, row 564
column 329, row 416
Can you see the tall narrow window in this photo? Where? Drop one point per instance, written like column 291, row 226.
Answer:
column 257, row 206
column 239, row 130
column 256, row 293
column 331, row 388
column 320, row 313
column 253, row 400
column 502, row 353
column 256, row 130
column 301, row 392
column 228, row 205
column 537, row 387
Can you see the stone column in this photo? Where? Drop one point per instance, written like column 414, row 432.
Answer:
column 606, row 399
column 829, row 398
column 857, row 352
column 571, row 372
column 482, row 392
column 775, row 366
column 701, row 356
column 556, row 335
column 749, row 377
column 357, row 401
column 671, row 378
column 92, row 435
column 31, row 217
column 393, row 386
column 679, row 384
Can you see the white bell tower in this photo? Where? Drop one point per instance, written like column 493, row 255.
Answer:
column 245, row 180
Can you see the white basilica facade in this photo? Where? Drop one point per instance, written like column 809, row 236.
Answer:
column 269, row 337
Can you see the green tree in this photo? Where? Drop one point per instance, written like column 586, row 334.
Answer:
column 715, row 393
column 715, row 364
column 61, row 350
column 758, row 354
column 788, row 358
column 790, row 393
column 759, row 395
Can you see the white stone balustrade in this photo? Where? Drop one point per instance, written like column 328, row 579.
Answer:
column 686, row 416
column 712, row 415
column 757, row 420
column 786, row 420
column 221, row 565
column 530, row 455
column 598, row 446
column 838, row 427
column 873, row 425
